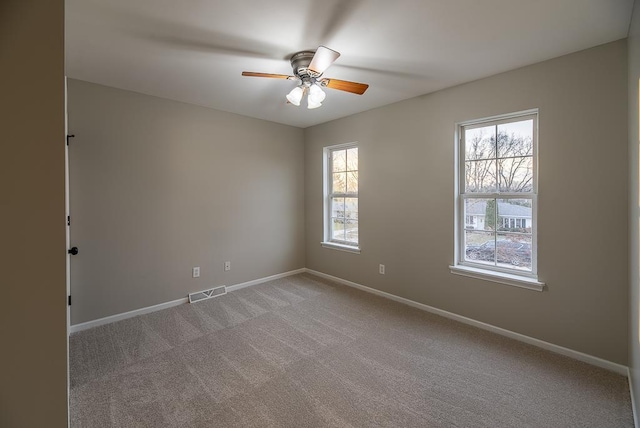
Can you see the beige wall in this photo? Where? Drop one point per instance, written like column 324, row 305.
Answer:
column 33, row 377
column 158, row 187
column 634, row 201
column 407, row 200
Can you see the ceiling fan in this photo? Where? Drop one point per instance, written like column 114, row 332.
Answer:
column 308, row 67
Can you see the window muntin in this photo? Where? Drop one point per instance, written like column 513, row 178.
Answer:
column 341, row 218
column 497, row 191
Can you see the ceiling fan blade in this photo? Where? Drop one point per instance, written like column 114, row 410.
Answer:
column 345, row 85
column 322, row 59
column 273, row 76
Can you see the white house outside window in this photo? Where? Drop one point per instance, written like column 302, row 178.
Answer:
column 341, row 197
column 497, row 199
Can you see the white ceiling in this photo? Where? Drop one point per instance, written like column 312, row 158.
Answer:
column 195, row 50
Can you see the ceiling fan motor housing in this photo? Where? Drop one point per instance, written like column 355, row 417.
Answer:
column 300, row 63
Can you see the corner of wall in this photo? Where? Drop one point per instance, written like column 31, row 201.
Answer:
column 633, row 46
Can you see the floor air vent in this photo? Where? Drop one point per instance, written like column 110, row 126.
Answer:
column 207, row 294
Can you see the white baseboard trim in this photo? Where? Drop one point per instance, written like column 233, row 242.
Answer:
column 265, row 279
column 590, row 359
column 119, row 317
column 633, row 400
column 123, row 316
column 599, row 362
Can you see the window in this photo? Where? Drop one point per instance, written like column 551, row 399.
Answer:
column 341, row 197
column 497, row 188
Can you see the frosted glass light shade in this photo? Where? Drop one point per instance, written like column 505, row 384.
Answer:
column 311, row 104
column 295, row 96
column 316, row 94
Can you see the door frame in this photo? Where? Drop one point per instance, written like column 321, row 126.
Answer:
column 67, row 238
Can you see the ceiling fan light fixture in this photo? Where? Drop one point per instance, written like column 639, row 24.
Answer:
column 316, row 94
column 295, row 96
column 308, row 67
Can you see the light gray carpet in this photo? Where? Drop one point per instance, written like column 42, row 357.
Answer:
column 304, row 352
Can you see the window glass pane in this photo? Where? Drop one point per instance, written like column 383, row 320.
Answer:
column 480, row 143
column 352, row 181
column 339, row 160
column 475, row 212
column 337, row 229
column 339, row 182
column 352, row 159
column 351, row 208
column 515, row 138
column 498, row 158
column 480, row 176
column 516, row 174
column 343, row 213
column 514, row 251
column 351, row 231
column 479, row 247
column 511, row 209
column 337, row 207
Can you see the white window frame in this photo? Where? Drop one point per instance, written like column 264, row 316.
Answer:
column 327, row 168
column 514, row 277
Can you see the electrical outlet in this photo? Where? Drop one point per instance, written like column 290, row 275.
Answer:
column 196, row 272
column 381, row 269
column 227, row 266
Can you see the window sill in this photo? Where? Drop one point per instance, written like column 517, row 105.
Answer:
column 347, row 248
column 502, row 278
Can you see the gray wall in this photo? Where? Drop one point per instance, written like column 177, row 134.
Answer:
column 33, row 377
column 634, row 202
column 407, row 200
column 158, row 187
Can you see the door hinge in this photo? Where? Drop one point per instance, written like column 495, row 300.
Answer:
column 69, row 300
column 68, row 220
column 69, row 136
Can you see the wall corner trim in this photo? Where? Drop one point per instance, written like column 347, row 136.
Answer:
column 586, row 358
column 118, row 317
